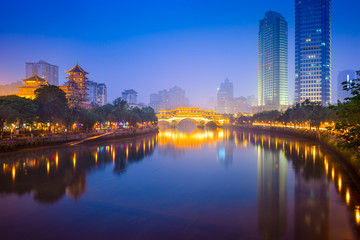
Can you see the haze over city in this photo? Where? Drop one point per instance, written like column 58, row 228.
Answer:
column 150, row 46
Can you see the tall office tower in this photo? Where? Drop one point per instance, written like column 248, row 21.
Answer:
column 130, row 96
column 344, row 76
column 273, row 61
column 44, row 70
column 96, row 93
column 102, row 94
column 224, row 97
column 313, row 51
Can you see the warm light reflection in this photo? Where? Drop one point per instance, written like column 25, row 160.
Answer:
column 74, row 160
column 333, row 174
column 314, row 154
column 113, row 156
column 357, row 215
column 13, row 172
column 196, row 139
column 96, row 157
column 347, row 197
column 56, row 159
column 47, row 166
column 339, row 183
column 127, row 152
column 326, row 167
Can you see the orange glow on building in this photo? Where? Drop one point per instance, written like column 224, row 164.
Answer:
column 31, row 84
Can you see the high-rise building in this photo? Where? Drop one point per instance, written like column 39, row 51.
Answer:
column 344, row 76
column 313, row 51
column 224, row 97
column 169, row 99
column 102, row 94
column 44, row 70
column 130, row 96
column 96, row 93
column 273, row 61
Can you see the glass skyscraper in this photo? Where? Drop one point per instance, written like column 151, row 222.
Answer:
column 313, row 51
column 273, row 61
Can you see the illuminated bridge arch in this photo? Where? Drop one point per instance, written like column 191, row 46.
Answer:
column 199, row 116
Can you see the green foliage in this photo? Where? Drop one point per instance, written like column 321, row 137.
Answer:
column 348, row 113
column 87, row 118
column 15, row 109
column 52, row 102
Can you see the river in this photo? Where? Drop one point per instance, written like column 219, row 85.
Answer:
column 205, row 184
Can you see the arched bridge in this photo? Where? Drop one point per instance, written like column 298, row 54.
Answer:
column 199, row 116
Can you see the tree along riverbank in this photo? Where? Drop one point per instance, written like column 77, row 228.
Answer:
column 71, row 139
column 350, row 158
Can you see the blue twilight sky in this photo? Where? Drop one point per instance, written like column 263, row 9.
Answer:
column 152, row 45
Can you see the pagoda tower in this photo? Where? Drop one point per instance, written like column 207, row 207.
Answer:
column 31, row 84
column 75, row 87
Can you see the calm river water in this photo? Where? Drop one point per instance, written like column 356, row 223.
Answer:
column 216, row 184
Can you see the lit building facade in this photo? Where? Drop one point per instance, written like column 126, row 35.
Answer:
column 44, row 70
column 273, row 61
column 102, row 94
column 344, row 76
column 31, row 84
column 313, row 51
column 75, row 87
column 97, row 93
column 130, row 96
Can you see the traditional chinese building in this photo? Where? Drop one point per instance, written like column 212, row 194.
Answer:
column 75, row 87
column 31, row 84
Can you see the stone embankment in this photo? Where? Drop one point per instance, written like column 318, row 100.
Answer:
column 70, row 139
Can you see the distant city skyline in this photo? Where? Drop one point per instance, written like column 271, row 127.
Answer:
column 157, row 45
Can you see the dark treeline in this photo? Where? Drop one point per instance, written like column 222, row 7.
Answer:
column 51, row 108
column 311, row 113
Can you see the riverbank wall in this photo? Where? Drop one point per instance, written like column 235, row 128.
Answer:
column 9, row 145
column 351, row 158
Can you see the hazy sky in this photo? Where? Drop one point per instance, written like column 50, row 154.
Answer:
column 152, row 45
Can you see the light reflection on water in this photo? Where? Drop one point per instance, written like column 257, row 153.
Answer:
column 218, row 184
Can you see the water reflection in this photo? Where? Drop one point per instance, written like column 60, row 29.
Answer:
column 293, row 188
column 50, row 174
column 272, row 193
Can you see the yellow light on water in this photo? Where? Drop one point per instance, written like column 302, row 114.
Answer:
column 113, row 156
column 56, row 160
column 74, row 160
column 347, row 196
column 96, row 157
column 333, row 174
column 357, row 215
column 339, row 183
column 13, row 172
column 47, row 166
column 127, row 151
